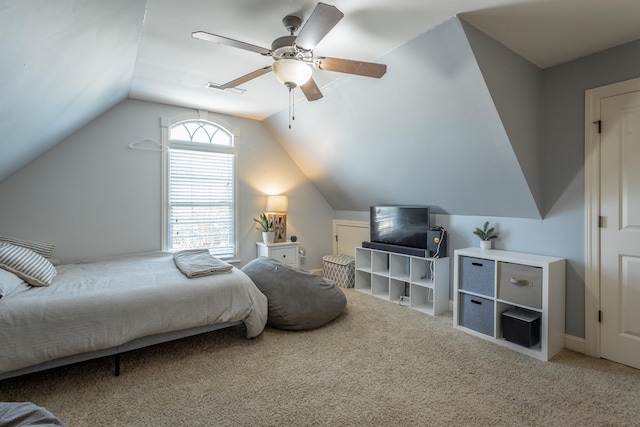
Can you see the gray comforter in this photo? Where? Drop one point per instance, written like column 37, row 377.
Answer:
column 100, row 305
column 17, row 414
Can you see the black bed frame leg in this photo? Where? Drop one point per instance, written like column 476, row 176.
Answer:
column 117, row 363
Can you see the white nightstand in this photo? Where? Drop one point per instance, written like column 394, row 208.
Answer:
column 285, row 252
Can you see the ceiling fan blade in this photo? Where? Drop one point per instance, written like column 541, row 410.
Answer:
column 311, row 90
column 367, row 69
column 323, row 18
column 241, row 80
column 201, row 35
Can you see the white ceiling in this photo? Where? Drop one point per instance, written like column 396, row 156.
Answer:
column 174, row 68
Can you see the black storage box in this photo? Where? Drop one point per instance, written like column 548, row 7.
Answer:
column 521, row 327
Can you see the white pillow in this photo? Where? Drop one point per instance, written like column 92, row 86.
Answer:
column 44, row 249
column 8, row 282
column 26, row 264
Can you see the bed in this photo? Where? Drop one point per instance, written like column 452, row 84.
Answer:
column 108, row 307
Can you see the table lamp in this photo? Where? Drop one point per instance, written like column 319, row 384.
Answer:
column 276, row 208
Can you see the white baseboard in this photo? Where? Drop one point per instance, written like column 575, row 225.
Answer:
column 574, row 343
column 316, row 271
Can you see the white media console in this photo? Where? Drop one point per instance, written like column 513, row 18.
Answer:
column 422, row 282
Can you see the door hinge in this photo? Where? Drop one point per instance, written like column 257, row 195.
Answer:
column 600, row 221
column 336, row 237
column 599, row 316
column 599, row 122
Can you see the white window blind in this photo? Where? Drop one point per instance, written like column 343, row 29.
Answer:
column 201, row 199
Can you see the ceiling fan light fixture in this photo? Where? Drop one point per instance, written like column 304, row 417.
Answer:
column 291, row 72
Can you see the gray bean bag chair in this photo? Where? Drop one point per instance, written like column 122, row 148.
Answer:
column 298, row 300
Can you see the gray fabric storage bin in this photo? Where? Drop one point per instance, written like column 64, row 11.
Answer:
column 477, row 275
column 476, row 313
column 521, row 284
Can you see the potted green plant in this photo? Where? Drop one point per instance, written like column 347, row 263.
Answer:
column 265, row 224
column 486, row 235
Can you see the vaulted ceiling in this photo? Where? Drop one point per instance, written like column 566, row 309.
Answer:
column 67, row 62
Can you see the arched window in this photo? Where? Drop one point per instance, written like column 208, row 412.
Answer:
column 200, row 132
column 200, row 188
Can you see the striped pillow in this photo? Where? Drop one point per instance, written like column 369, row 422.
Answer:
column 26, row 264
column 44, row 249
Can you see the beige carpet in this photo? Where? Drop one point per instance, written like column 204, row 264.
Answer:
column 378, row 364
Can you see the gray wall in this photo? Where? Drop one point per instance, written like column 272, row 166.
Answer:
column 92, row 196
column 564, row 94
column 515, row 85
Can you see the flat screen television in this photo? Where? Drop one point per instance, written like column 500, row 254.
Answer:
column 400, row 225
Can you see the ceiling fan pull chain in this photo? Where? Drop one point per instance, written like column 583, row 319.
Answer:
column 291, row 106
column 290, row 114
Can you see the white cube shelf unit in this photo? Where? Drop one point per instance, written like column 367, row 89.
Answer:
column 487, row 283
column 391, row 276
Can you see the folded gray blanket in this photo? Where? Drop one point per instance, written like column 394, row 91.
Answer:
column 199, row 262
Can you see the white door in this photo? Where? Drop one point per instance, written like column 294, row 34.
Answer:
column 620, row 230
column 349, row 235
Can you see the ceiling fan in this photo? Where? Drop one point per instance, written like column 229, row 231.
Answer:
column 293, row 55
